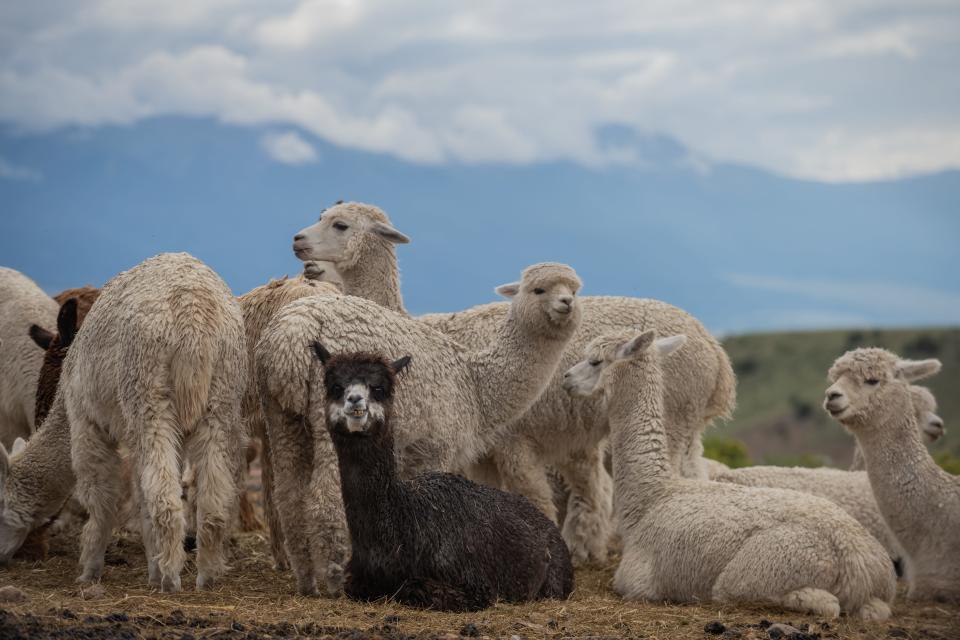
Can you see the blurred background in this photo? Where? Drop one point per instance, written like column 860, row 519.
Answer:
column 785, row 171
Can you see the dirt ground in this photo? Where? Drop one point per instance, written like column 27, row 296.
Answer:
column 255, row 601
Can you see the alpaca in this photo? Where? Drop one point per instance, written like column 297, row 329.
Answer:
column 158, row 367
column 688, row 540
column 850, row 490
column 456, row 405
column 22, row 303
column 870, row 396
column 931, row 424
column 259, row 307
column 464, row 545
column 564, row 432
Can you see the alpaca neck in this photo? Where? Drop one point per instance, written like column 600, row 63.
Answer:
column 907, row 483
column 375, row 276
column 370, row 486
column 47, row 461
column 641, row 461
column 512, row 373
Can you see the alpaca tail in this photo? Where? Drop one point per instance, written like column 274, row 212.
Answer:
column 191, row 369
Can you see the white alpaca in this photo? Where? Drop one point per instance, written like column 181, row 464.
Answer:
column 687, row 540
column 870, row 396
column 158, row 367
column 930, row 424
column 22, row 304
column 454, row 405
column 850, row 490
column 558, row 430
column 259, row 307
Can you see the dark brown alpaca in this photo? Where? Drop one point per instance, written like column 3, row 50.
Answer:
column 437, row 541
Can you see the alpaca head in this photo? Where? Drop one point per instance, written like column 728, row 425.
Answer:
column 585, row 377
column 868, row 383
column 345, row 233
column 359, row 390
column 16, row 520
column 321, row 271
column 56, row 346
column 925, row 406
column 545, row 297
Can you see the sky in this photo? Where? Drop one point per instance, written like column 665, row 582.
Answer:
column 765, row 165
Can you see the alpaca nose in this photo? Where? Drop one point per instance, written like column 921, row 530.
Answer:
column 833, row 395
column 299, row 237
column 354, row 398
column 567, row 300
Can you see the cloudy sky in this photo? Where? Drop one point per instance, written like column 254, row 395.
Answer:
column 805, row 94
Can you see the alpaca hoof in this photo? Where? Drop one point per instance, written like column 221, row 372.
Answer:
column 205, row 582
column 875, row 610
column 280, row 565
column 308, row 588
column 89, row 575
column 170, row 584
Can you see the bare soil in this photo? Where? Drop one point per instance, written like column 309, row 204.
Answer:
column 255, row 601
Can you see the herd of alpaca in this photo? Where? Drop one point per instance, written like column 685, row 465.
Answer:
column 427, row 479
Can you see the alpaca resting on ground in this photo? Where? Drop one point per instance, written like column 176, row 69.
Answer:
column 437, row 541
column 688, row 540
column 870, row 396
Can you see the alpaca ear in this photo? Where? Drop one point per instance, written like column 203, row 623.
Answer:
column 400, row 365
column 321, row 352
column 636, row 345
column 387, row 232
column 666, row 346
column 18, row 445
column 913, row 370
column 41, row 336
column 67, row 322
column 508, row 290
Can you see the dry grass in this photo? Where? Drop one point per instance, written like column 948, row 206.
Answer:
column 261, row 600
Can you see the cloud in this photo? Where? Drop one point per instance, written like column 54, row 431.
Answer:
column 288, row 148
column 901, row 303
column 813, row 89
column 10, row 171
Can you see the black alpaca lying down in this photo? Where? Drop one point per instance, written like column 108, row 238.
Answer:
column 438, row 541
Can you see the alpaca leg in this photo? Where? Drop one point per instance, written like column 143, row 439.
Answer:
column 588, row 526
column 291, row 449
column 781, row 565
column 635, row 578
column 330, row 540
column 215, row 453
column 159, row 467
column 96, row 464
column 875, row 610
column 521, row 471
column 146, row 534
column 269, row 505
column 248, row 515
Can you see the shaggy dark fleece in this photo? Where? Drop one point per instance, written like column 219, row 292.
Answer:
column 438, row 541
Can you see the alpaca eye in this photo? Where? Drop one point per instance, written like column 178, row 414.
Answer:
column 340, row 226
column 872, row 381
column 539, row 291
column 596, row 363
column 336, row 390
column 378, row 392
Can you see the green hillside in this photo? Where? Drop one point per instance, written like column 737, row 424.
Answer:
column 782, row 378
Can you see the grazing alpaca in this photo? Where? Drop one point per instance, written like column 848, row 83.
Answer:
column 437, row 541
column 688, row 540
column 870, row 396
